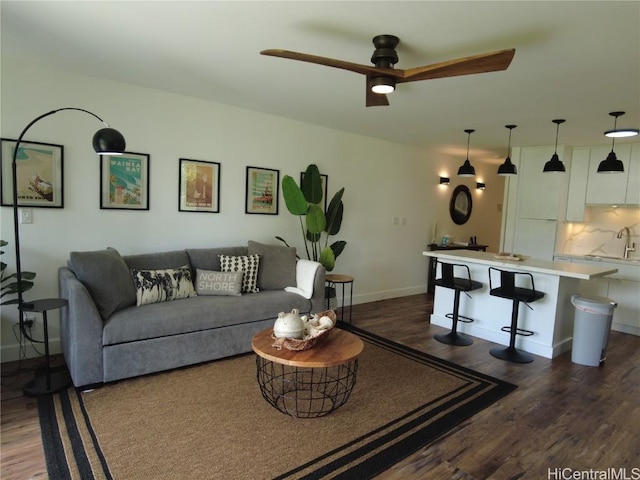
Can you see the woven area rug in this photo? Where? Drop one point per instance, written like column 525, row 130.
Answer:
column 211, row 422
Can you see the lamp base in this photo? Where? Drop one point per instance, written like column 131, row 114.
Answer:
column 48, row 383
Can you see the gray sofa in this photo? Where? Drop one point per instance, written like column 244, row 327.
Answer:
column 105, row 336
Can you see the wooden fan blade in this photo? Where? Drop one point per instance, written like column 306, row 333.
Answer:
column 482, row 63
column 375, row 99
column 330, row 62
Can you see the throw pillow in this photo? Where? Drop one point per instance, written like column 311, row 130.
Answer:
column 209, row 282
column 248, row 264
column 277, row 265
column 106, row 276
column 154, row 286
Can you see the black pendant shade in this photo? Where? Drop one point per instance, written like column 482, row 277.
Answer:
column 466, row 169
column 611, row 164
column 555, row 164
column 108, row 141
column 508, row 168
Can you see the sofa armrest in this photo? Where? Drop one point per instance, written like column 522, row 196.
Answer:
column 318, row 300
column 80, row 331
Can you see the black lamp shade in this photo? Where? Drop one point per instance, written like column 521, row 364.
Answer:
column 108, row 141
column 507, row 168
column 554, row 165
column 611, row 164
column 466, row 169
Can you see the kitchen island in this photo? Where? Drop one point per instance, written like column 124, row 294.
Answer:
column 551, row 318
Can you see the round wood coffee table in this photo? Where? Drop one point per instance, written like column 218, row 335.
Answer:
column 309, row 383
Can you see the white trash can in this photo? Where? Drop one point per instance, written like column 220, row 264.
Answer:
column 591, row 326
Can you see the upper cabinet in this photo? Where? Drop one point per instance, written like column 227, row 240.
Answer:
column 578, row 184
column 539, row 192
column 614, row 188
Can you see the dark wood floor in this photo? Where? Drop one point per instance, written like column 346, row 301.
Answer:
column 561, row 416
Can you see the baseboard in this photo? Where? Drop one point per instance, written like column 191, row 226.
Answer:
column 383, row 295
column 11, row 353
column 624, row 328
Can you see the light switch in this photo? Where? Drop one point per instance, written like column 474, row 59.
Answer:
column 26, row 215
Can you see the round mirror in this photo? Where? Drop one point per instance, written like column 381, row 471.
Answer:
column 460, row 206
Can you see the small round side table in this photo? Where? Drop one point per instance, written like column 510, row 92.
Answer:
column 338, row 278
column 50, row 382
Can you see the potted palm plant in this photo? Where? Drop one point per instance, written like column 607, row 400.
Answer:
column 305, row 202
column 10, row 287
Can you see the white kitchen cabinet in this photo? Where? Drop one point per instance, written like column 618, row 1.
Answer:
column 626, row 317
column 539, row 192
column 608, row 188
column 536, row 238
column 578, row 184
column 633, row 183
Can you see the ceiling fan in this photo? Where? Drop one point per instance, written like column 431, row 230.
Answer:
column 382, row 77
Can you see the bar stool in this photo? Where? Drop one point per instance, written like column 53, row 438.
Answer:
column 457, row 284
column 508, row 289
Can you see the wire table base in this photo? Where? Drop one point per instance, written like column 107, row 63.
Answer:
column 306, row 392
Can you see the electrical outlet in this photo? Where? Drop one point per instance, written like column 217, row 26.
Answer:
column 29, row 320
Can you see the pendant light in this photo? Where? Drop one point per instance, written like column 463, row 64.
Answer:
column 508, row 168
column 611, row 164
column 466, row 169
column 555, row 164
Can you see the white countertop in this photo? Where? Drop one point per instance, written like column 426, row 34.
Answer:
column 562, row 269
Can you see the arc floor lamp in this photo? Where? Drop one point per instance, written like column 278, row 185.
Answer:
column 106, row 141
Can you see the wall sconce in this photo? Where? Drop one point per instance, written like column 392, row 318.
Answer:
column 444, row 181
column 480, row 186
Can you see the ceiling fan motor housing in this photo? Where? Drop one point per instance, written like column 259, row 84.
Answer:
column 385, row 55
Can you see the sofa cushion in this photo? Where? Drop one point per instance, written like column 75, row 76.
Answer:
column 154, row 286
column 277, row 265
column 92, row 268
column 157, row 261
column 248, row 264
column 209, row 258
column 209, row 282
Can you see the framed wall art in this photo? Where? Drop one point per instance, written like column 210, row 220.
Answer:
column 199, row 189
column 262, row 191
column 324, row 181
column 124, row 181
column 39, row 174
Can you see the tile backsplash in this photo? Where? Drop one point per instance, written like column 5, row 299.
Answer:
column 598, row 235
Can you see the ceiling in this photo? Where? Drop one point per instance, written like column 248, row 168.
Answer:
column 574, row 60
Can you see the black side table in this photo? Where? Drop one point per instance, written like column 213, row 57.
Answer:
column 50, row 382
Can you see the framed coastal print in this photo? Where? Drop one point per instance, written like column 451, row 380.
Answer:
column 262, row 191
column 199, row 186
column 39, row 174
column 324, row 181
column 124, row 181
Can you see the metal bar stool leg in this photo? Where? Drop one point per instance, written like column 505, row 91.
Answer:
column 453, row 337
column 511, row 354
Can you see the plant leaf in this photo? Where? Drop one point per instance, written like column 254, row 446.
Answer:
column 312, row 185
column 335, row 211
column 328, row 259
column 338, row 247
column 316, row 220
column 293, row 196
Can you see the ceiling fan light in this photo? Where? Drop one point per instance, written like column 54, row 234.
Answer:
column 507, row 168
column 554, row 165
column 382, row 85
column 611, row 164
column 622, row 133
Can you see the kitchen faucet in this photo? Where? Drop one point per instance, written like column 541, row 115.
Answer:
column 627, row 248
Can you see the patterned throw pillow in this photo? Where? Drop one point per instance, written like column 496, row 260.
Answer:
column 209, row 282
column 154, row 286
column 248, row 264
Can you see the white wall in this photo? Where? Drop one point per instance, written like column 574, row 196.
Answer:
column 381, row 180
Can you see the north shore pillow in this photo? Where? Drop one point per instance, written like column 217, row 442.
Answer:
column 209, row 282
column 105, row 274
column 154, row 286
column 277, row 265
column 248, row 265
